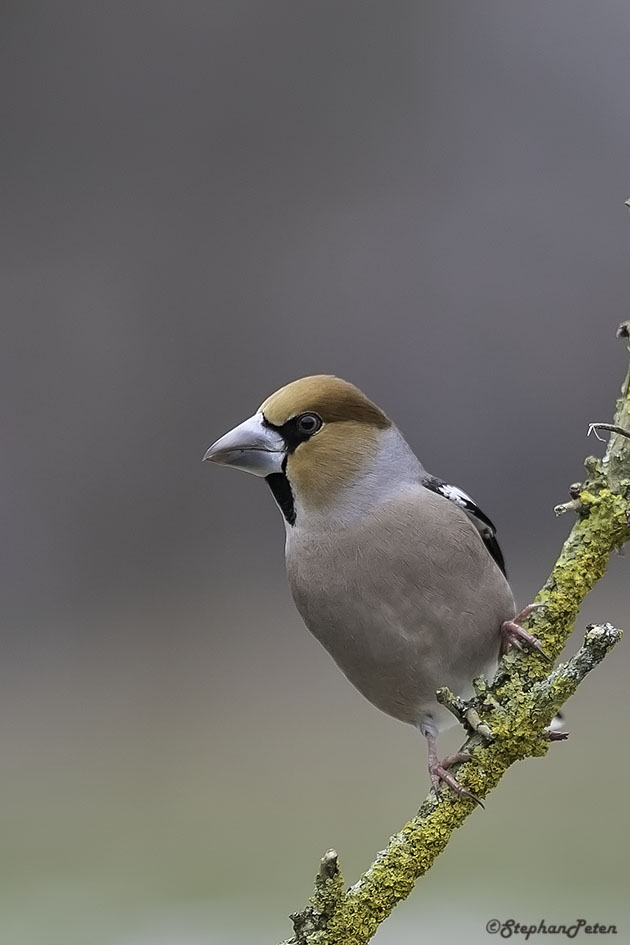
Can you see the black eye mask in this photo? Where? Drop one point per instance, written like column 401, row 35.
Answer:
column 298, row 429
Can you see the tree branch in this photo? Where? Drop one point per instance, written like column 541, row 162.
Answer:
column 506, row 719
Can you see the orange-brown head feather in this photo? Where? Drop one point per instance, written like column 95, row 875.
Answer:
column 331, row 397
column 334, row 456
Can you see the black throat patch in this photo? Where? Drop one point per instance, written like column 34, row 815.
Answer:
column 279, row 482
column 282, row 493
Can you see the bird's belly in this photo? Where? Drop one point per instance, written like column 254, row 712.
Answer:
column 389, row 655
column 404, row 601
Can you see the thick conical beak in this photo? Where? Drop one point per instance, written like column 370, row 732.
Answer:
column 250, row 446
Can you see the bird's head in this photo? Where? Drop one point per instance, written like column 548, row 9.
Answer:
column 309, row 440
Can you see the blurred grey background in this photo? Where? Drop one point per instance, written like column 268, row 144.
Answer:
column 200, row 202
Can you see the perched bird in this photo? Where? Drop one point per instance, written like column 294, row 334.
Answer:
column 398, row 574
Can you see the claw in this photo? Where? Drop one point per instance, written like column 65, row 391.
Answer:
column 438, row 770
column 512, row 634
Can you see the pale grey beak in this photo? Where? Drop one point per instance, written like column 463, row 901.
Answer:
column 251, row 446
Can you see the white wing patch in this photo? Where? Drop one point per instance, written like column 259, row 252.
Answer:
column 455, row 494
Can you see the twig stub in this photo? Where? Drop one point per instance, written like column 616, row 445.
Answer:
column 610, row 427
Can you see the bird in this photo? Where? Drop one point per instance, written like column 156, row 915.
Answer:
column 397, row 573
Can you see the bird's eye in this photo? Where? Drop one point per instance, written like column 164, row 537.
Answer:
column 308, row 423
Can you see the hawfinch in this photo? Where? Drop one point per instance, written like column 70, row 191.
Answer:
column 398, row 574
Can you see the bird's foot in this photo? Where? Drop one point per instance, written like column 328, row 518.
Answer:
column 439, row 773
column 512, row 634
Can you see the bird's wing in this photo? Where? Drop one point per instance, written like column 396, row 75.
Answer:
column 479, row 519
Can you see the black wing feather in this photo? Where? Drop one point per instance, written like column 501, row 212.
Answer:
column 479, row 519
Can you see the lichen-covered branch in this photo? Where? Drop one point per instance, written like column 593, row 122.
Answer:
column 507, row 719
column 564, row 680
